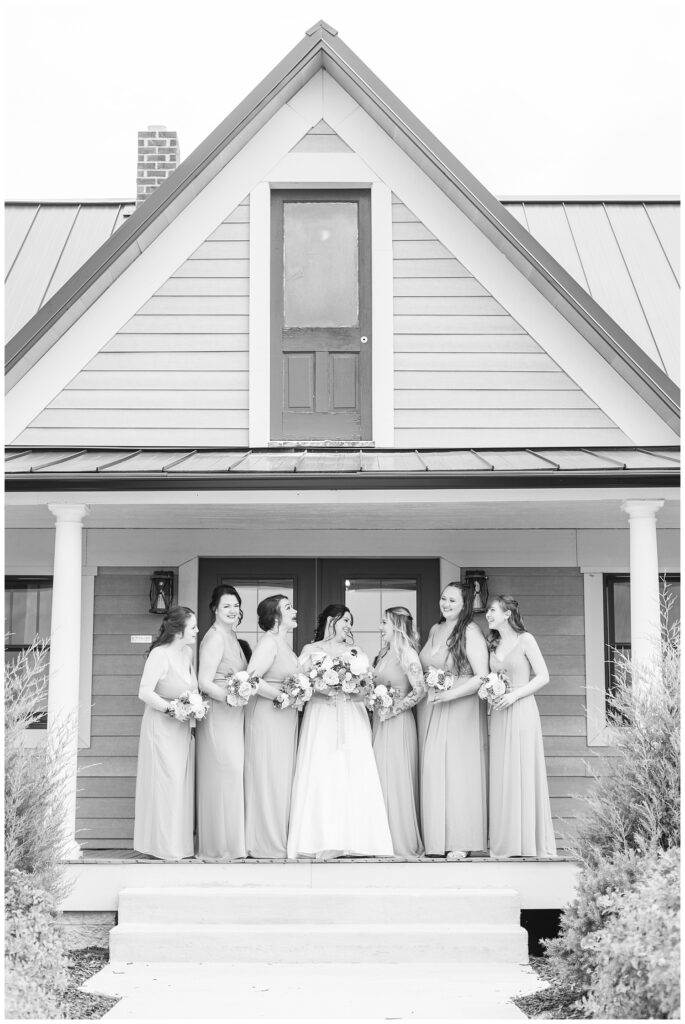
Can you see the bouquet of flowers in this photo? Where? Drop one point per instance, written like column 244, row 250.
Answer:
column 347, row 673
column 240, row 687
column 383, row 698
column 190, row 706
column 297, row 690
column 493, row 686
column 438, row 679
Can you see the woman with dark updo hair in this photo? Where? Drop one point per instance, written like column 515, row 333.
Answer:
column 220, row 742
column 520, row 814
column 270, row 734
column 165, row 772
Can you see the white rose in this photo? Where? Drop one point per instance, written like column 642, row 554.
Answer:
column 326, row 663
column 245, row 689
column 241, row 677
column 359, row 663
column 232, row 700
column 330, row 678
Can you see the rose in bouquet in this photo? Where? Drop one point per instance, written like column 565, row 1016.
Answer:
column 493, row 686
column 438, row 679
column 384, row 699
column 297, row 690
column 240, row 687
column 349, row 673
column 190, row 706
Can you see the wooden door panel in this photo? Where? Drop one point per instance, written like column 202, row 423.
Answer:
column 299, row 380
column 344, row 372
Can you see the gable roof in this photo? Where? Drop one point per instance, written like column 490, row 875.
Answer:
column 633, row 272
column 322, row 48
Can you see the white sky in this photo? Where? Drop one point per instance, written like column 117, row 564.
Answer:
column 535, row 98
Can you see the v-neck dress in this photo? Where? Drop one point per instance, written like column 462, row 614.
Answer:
column 219, row 772
column 520, row 814
column 165, row 776
column 453, row 766
column 270, row 749
column 396, row 749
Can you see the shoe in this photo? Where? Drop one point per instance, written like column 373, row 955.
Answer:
column 455, row 855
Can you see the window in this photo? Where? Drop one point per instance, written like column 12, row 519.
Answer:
column 617, row 618
column 28, row 608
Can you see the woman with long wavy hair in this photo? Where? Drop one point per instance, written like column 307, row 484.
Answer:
column 397, row 664
column 219, row 738
column 453, row 768
column 520, row 814
column 165, row 773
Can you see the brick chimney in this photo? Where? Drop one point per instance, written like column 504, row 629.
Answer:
column 157, row 157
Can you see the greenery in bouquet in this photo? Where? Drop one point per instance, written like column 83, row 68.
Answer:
column 240, row 687
column 191, row 705
column 296, row 691
column 438, row 679
column 349, row 673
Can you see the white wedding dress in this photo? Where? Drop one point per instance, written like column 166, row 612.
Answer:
column 337, row 805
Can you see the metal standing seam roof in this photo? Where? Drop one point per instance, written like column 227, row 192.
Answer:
column 321, row 48
column 36, row 469
column 624, row 252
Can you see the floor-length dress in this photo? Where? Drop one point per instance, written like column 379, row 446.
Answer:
column 453, row 767
column 520, row 814
column 270, row 749
column 220, row 748
column 338, row 808
column 165, row 776
column 396, row 750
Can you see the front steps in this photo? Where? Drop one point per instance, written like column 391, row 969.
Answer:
column 294, row 925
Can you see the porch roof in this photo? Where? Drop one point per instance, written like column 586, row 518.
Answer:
column 342, row 468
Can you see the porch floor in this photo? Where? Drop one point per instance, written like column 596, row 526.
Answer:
column 133, row 857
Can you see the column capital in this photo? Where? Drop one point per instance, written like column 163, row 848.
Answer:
column 69, row 513
column 642, row 508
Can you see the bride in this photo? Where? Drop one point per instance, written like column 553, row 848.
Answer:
column 337, row 805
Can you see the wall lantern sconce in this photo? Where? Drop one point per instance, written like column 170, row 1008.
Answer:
column 477, row 579
column 161, row 591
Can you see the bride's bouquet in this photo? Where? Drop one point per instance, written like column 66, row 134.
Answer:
column 438, row 679
column 190, row 706
column 383, row 698
column 240, row 686
column 297, row 690
column 493, row 686
column 348, row 673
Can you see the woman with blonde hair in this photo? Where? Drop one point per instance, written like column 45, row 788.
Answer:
column 395, row 745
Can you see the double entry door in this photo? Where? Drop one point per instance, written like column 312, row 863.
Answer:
column 367, row 586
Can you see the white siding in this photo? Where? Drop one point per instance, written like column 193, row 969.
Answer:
column 466, row 373
column 177, row 372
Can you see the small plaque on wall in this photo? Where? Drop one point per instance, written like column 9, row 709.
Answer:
column 141, row 639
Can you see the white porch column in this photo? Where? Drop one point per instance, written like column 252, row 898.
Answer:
column 65, row 650
column 644, row 579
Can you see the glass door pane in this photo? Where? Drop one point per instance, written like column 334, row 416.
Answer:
column 320, row 265
column 368, row 598
column 251, row 593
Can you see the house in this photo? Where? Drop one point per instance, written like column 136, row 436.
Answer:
column 321, row 357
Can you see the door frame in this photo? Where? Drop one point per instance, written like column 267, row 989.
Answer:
column 277, row 197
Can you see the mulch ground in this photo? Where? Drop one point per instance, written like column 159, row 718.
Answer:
column 81, row 965
column 554, row 1003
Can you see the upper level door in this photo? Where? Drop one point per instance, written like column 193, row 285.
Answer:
column 321, row 316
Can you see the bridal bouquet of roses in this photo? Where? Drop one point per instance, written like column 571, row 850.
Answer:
column 297, row 690
column 240, row 687
column 190, row 706
column 438, row 679
column 493, row 686
column 348, row 673
column 383, row 698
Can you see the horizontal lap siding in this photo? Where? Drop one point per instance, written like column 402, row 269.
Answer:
column 466, row 373
column 552, row 607
column 177, row 372
column 107, row 769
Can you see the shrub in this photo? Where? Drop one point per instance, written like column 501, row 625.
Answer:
column 637, row 953
column 35, row 975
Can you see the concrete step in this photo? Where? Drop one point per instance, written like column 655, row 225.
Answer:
column 322, row 943
column 241, row 905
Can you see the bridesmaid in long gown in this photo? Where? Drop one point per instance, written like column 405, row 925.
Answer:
column 394, row 733
column 270, row 735
column 165, row 774
column 338, row 807
column 520, row 814
column 453, row 767
column 219, row 738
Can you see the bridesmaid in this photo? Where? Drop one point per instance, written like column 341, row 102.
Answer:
column 394, row 732
column 520, row 814
column 270, row 735
column 220, row 745
column 454, row 758
column 165, row 775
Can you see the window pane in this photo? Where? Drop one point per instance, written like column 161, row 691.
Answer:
column 621, row 612
column 251, row 593
column 367, row 599
column 670, row 589
column 320, row 265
